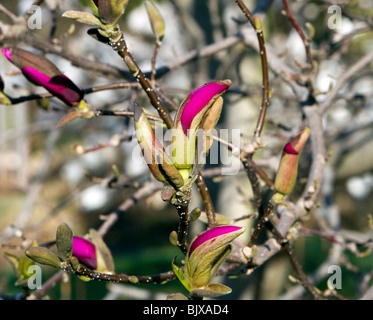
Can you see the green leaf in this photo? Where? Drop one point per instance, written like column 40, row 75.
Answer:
column 83, row 17
column 156, row 20
column 211, row 291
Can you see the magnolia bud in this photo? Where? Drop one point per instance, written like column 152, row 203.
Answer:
column 156, row 158
column 288, row 169
column 41, row 72
column 85, row 252
column 43, row 255
column 199, row 110
column 205, row 255
column 64, row 241
column 109, row 11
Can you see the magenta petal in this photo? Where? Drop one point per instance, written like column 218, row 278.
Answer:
column 60, row 86
column 7, row 53
column 65, row 89
column 289, row 149
column 210, row 234
column 35, row 76
column 85, row 252
column 199, row 98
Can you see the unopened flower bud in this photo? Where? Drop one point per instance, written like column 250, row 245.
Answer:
column 41, row 72
column 288, row 169
column 156, row 158
column 205, row 255
column 109, row 11
column 199, row 110
column 85, row 252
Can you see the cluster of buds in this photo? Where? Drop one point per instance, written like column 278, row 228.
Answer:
column 206, row 253
column 41, row 72
column 75, row 251
column 105, row 18
column 288, row 169
column 198, row 113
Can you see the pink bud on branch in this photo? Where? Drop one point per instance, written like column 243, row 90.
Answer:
column 206, row 253
column 41, row 72
column 85, row 252
column 288, row 169
column 199, row 110
column 196, row 104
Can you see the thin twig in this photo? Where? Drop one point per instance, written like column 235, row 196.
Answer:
column 181, row 202
column 120, row 46
column 344, row 78
column 255, row 22
column 295, row 25
column 207, row 201
column 154, row 58
column 124, row 278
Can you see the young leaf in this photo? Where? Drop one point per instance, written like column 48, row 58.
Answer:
column 156, row 20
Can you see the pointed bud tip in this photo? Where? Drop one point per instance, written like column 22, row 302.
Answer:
column 213, row 233
column 289, row 149
column 200, row 100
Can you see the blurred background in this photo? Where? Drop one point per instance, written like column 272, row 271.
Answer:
column 44, row 181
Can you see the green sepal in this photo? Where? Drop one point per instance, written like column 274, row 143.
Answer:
column 84, row 278
column 21, row 265
column 180, row 274
column 213, row 290
column 159, row 163
column 173, row 238
column 64, row 241
column 177, row 296
column 97, row 34
column 74, row 263
column 105, row 262
column 43, row 255
column 94, row 7
column 195, row 214
column 84, row 111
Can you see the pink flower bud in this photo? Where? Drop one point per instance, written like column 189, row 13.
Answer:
column 85, row 252
column 197, row 116
column 41, row 72
column 211, row 234
column 196, row 104
column 288, row 169
column 206, row 253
